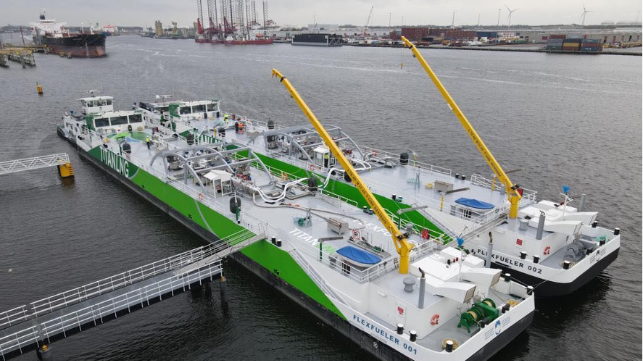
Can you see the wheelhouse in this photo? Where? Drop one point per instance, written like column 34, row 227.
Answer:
column 96, row 105
column 201, row 109
column 120, row 121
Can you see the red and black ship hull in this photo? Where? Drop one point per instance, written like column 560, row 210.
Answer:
column 78, row 45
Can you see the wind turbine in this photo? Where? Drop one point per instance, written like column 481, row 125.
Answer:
column 509, row 16
column 585, row 11
column 499, row 10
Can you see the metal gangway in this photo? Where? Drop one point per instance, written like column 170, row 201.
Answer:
column 42, row 322
column 20, row 165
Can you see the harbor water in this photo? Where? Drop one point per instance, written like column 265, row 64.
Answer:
column 565, row 119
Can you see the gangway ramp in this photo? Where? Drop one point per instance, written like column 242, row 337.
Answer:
column 29, row 327
column 20, row 165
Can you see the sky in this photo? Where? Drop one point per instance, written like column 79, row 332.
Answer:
column 303, row 12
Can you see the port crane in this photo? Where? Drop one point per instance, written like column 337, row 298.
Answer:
column 368, row 21
column 400, row 239
column 511, row 189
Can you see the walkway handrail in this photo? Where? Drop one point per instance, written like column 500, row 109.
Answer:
column 105, row 285
column 19, row 165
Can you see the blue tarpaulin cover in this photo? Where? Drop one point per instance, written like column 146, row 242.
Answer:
column 474, row 203
column 358, row 255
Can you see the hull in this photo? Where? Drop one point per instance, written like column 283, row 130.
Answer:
column 315, row 44
column 555, row 289
column 274, row 265
column 81, row 45
column 248, row 42
column 235, row 42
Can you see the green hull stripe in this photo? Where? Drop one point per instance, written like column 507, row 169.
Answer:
column 261, row 252
column 273, row 258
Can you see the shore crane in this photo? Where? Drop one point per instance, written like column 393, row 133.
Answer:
column 512, row 190
column 368, row 21
column 400, row 239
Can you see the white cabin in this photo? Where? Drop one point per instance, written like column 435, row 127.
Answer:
column 118, row 121
column 95, row 105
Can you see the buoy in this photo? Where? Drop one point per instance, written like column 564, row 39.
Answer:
column 546, row 251
column 435, row 319
column 66, row 170
column 39, row 89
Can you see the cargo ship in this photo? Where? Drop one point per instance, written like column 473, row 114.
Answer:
column 317, row 39
column 52, row 34
column 356, row 235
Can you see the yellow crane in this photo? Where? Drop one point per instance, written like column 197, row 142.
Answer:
column 402, row 245
column 510, row 188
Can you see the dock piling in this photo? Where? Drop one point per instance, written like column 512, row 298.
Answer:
column 44, row 353
column 223, row 289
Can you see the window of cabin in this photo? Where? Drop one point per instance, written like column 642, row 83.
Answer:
column 135, row 118
column 198, row 109
column 185, row 110
column 101, row 122
column 119, row 120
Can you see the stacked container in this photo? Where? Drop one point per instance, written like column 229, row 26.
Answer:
column 555, row 42
column 571, row 44
column 591, row 45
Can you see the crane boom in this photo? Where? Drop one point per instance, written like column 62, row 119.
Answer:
column 368, row 20
column 400, row 241
column 510, row 188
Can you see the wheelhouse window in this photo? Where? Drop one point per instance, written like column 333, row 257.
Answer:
column 135, row 118
column 212, row 107
column 198, row 109
column 101, row 122
column 186, row 110
column 108, row 102
column 119, row 120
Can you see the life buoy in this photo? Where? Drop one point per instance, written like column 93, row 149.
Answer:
column 201, row 197
column 312, row 167
column 435, row 319
column 546, row 251
column 375, row 153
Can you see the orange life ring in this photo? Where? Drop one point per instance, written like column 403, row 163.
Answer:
column 375, row 153
column 201, row 197
column 435, row 319
column 546, row 251
column 312, row 167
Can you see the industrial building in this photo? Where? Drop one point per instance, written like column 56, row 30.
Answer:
column 532, row 36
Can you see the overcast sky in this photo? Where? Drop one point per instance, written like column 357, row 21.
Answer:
column 302, row 12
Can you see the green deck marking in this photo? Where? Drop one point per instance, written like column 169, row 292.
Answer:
column 350, row 192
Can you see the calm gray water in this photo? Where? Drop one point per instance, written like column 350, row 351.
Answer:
column 565, row 119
